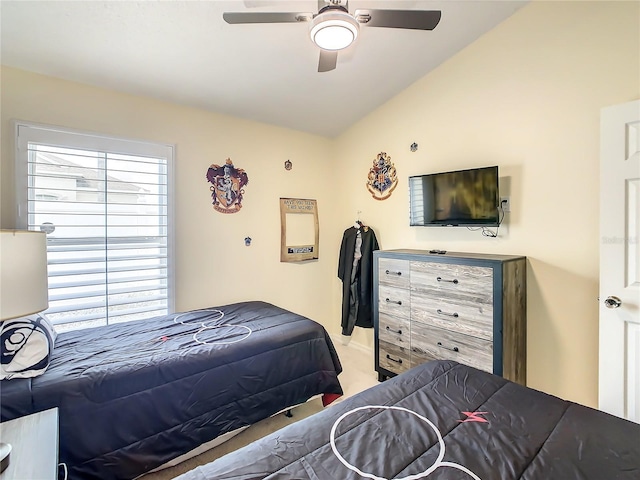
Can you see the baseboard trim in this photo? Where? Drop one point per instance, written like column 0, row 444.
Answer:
column 352, row 344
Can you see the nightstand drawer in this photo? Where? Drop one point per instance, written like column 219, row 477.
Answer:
column 394, row 330
column 394, row 301
column 393, row 358
column 454, row 282
column 431, row 343
column 468, row 318
column 394, row 272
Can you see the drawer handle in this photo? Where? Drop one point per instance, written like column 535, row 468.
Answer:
column 397, row 302
column 399, row 332
column 454, row 281
column 453, row 349
column 399, row 360
column 454, row 314
column 388, row 272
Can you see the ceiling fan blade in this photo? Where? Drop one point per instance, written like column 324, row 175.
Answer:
column 328, row 60
column 266, row 17
column 413, row 19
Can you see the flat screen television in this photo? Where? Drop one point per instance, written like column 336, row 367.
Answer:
column 464, row 198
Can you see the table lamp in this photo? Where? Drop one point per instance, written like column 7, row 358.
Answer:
column 23, row 284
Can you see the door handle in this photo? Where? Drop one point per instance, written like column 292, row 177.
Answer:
column 612, row 302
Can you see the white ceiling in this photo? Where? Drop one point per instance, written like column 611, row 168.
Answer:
column 183, row 51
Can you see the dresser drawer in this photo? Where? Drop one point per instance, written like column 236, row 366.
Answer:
column 393, row 358
column 394, row 330
column 394, row 301
column 467, row 317
column 432, row 343
column 394, row 272
column 453, row 282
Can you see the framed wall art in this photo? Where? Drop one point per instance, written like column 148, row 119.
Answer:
column 299, row 229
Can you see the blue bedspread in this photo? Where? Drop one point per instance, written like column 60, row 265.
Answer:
column 133, row 396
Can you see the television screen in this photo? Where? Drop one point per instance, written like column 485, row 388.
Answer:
column 461, row 198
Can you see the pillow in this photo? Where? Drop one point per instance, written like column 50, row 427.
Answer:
column 26, row 347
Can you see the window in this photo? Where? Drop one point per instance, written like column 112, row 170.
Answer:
column 105, row 204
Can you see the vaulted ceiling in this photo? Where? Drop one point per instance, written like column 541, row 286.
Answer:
column 183, row 52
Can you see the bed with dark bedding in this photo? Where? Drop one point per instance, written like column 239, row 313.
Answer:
column 442, row 420
column 133, row 396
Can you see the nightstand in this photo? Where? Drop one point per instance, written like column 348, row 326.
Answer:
column 34, row 446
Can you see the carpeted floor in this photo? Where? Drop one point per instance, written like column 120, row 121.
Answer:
column 358, row 374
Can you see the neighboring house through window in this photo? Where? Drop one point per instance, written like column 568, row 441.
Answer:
column 106, row 206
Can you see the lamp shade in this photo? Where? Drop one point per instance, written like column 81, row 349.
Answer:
column 23, row 273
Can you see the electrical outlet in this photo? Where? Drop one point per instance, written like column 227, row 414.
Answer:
column 505, row 202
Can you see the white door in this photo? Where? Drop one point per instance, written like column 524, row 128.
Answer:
column 619, row 364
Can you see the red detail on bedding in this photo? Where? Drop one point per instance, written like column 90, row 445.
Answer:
column 473, row 417
column 164, row 338
column 328, row 398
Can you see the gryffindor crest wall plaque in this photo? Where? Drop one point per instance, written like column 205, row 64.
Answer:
column 227, row 186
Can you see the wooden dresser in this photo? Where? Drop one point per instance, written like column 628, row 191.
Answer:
column 466, row 307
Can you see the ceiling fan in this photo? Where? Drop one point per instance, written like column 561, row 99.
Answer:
column 333, row 28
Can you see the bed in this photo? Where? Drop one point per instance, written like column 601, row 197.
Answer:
column 442, row 420
column 133, row 396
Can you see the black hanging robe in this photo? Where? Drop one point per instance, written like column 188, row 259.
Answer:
column 355, row 269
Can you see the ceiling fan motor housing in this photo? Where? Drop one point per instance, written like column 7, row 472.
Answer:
column 334, row 28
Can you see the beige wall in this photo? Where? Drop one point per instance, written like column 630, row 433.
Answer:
column 526, row 97
column 213, row 265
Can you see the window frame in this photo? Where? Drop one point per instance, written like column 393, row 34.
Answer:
column 29, row 132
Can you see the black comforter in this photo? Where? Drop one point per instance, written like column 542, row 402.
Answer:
column 133, row 396
column 442, row 420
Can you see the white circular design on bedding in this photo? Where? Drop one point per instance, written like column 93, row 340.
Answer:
column 177, row 318
column 221, row 342
column 207, row 326
column 438, row 463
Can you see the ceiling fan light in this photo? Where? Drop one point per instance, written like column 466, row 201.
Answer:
column 334, row 30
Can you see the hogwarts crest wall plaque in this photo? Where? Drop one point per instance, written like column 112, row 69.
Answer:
column 227, row 184
column 382, row 177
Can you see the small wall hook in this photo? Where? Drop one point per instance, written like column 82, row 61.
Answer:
column 414, row 147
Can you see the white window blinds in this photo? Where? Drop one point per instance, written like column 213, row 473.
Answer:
column 105, row 204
